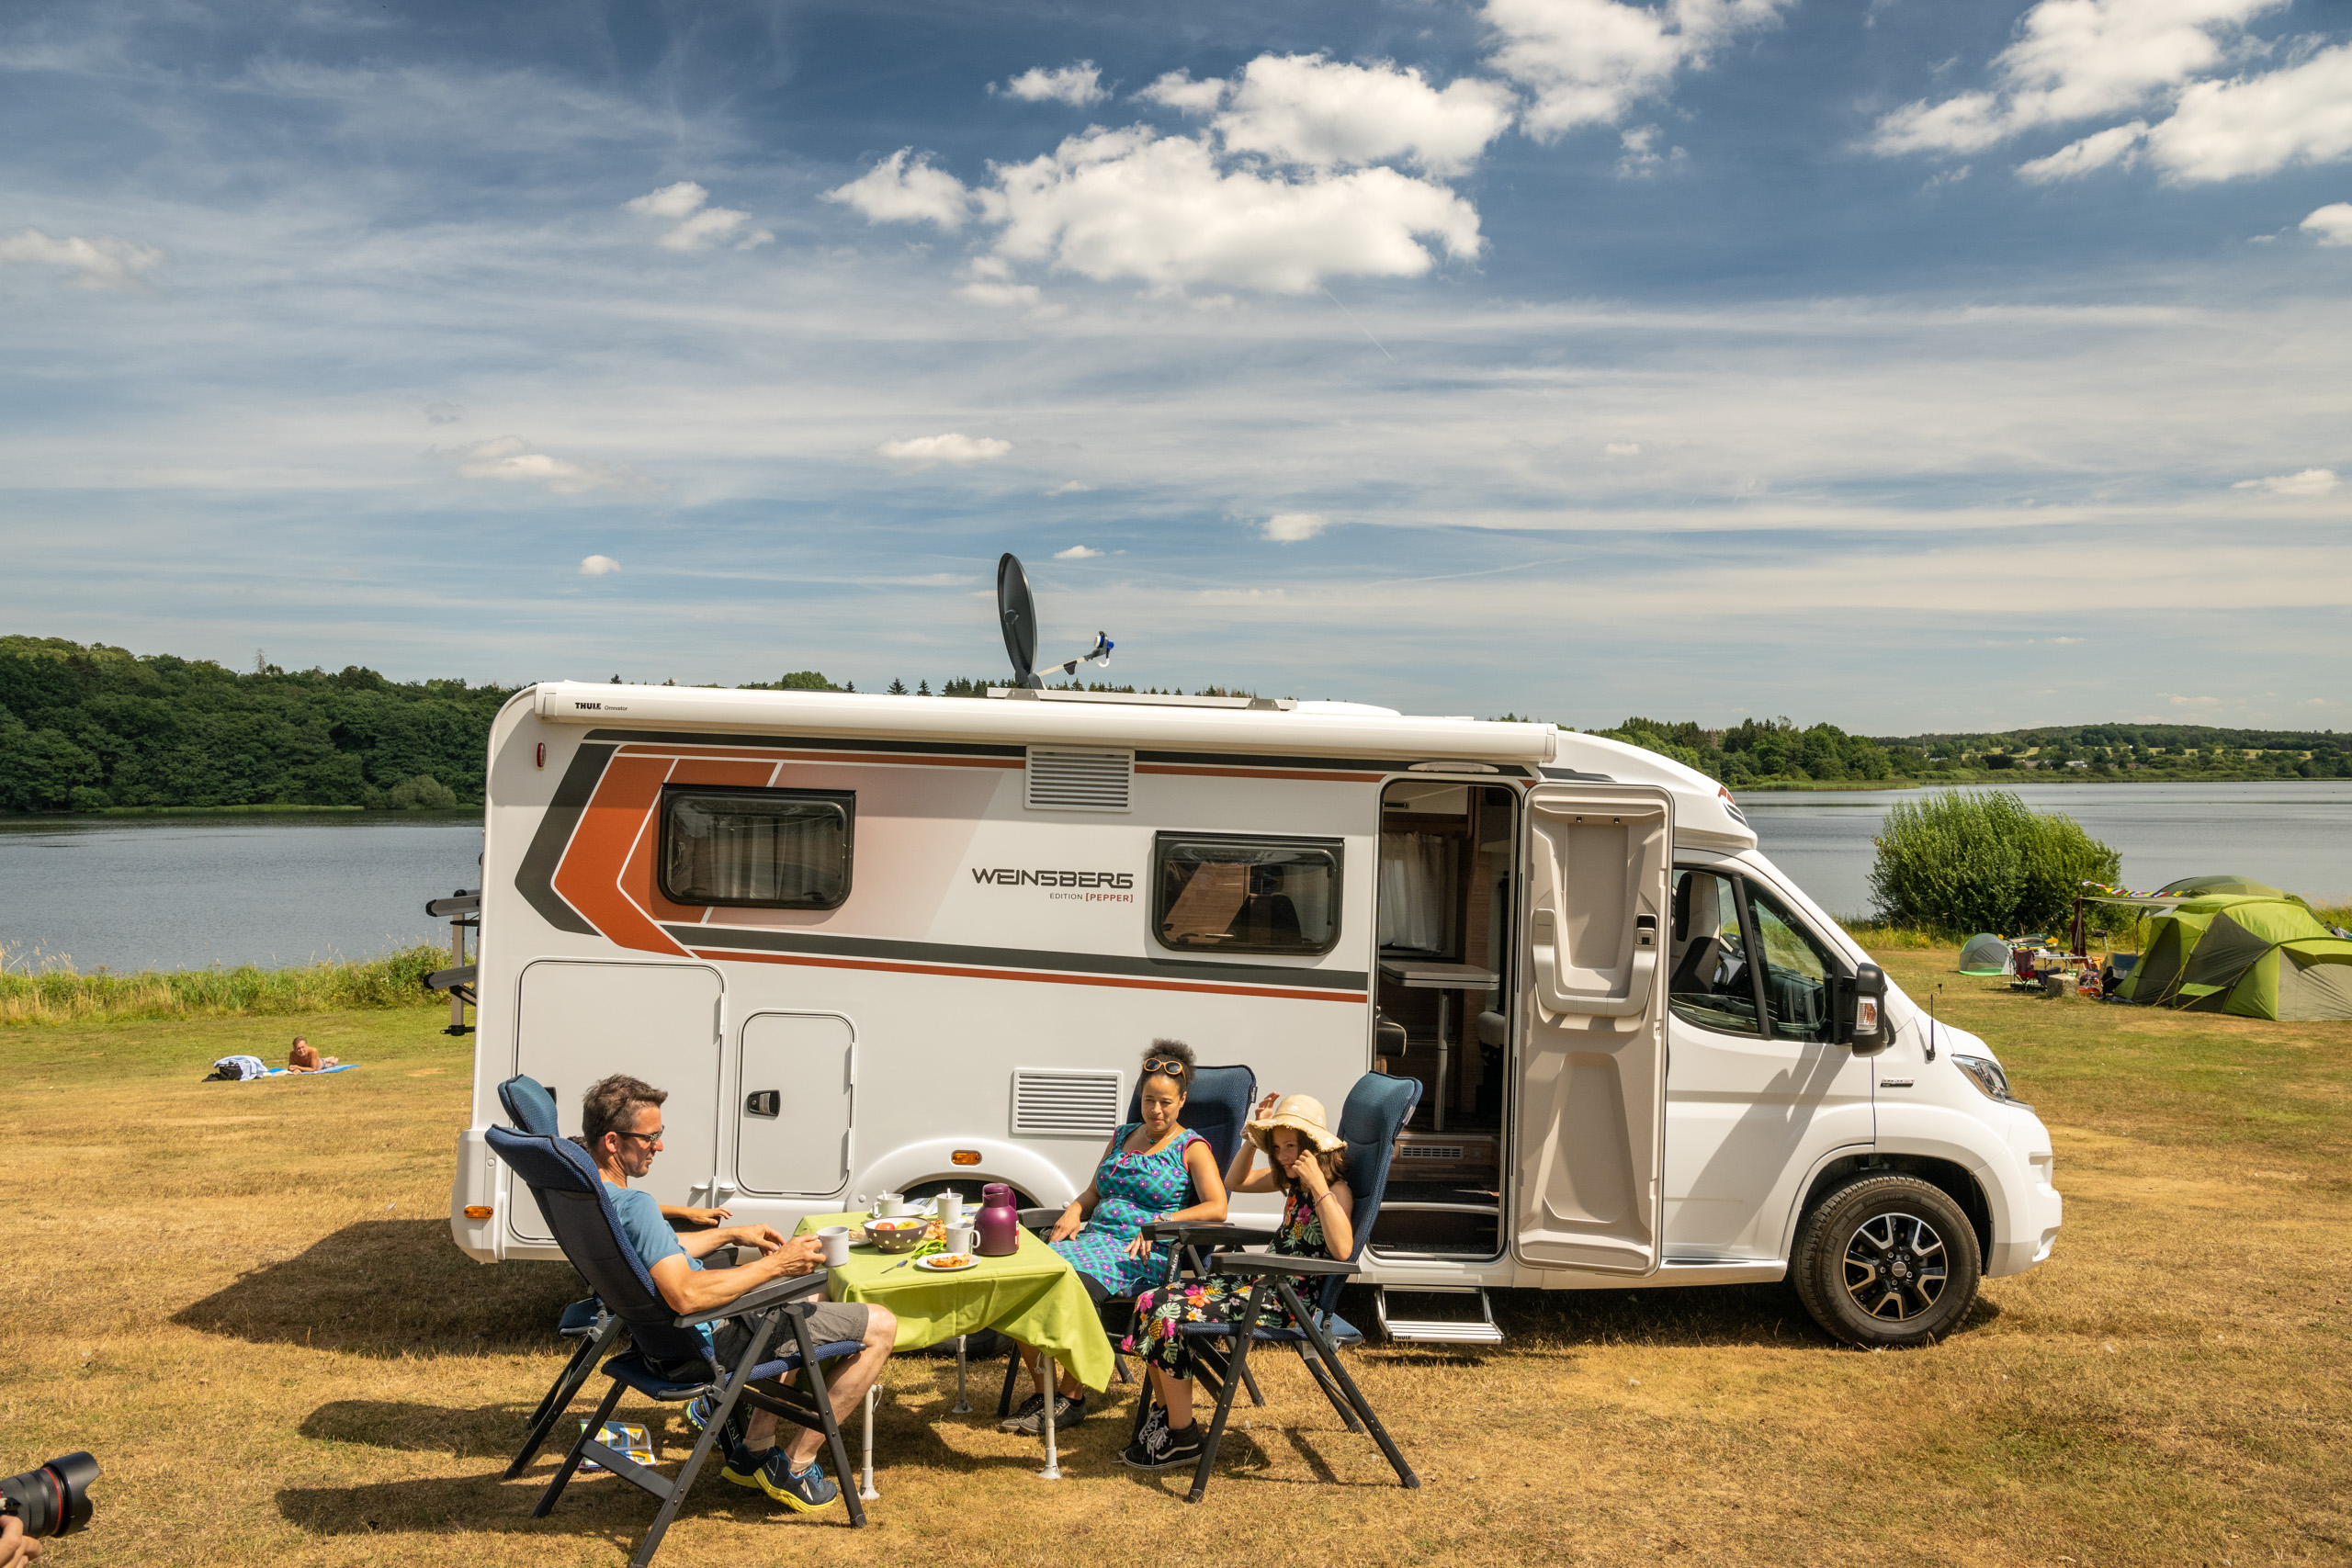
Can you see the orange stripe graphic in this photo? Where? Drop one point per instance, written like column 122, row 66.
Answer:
column 590, row 877
column 1047, row 976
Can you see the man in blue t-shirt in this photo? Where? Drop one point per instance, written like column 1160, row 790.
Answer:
column 620, row 1122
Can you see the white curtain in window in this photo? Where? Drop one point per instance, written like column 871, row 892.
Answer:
column 1416, row 891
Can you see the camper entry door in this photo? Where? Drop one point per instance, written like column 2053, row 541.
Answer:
column 1591, row 1135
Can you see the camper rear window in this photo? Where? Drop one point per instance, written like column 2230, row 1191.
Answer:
column 774, row 849
column 1246, row 894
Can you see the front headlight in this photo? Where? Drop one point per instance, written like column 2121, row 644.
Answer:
column 1986, row 1075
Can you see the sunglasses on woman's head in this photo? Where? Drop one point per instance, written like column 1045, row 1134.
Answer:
column 1168, row 1066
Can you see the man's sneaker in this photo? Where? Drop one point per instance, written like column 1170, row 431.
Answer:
column 1069, row 1412
column 1156, row 1447
column 743, row 1466
column 804, row 1492
column 698, row 1417
column 1026, row 1411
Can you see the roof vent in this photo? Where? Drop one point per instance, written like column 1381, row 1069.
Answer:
column 1079, row 780
column 1065, row 1102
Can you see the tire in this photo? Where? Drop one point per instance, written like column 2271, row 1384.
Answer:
column 1886, row 1261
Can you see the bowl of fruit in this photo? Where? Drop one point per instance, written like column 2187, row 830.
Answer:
column 901, row 1233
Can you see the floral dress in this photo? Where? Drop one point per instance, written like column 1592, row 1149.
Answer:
column 1131, row 1191
column 1220, row 1298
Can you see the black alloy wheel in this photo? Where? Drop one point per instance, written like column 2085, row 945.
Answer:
column 1886, row 1261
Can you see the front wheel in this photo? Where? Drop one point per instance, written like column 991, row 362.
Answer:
column 1887, row 1261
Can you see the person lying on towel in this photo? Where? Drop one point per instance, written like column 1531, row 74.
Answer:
column 305, row 1058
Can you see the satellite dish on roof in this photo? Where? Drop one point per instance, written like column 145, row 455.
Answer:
column 1018, row 615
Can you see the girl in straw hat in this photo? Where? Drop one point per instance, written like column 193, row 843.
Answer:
column 1308, row 1162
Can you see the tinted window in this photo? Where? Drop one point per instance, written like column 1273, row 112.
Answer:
column 780, row 849
column 1246, row 894
column 1710, row 985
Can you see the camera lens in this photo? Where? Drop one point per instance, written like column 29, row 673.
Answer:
column 55, row 1499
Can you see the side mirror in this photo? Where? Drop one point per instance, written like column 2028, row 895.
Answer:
column 1861, row 1011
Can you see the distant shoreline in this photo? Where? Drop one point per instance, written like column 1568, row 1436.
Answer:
column 2030, row 776
column 424, row 814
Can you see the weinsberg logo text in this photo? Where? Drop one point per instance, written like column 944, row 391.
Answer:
column 1009, row 876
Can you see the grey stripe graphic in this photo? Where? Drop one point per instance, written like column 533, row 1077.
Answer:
column 534, row 878
column 745, row 939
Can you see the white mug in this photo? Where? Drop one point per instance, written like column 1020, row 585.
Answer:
column 836, row 1240
column 890, row 1206
column 949, row 1208
column 962, row 1239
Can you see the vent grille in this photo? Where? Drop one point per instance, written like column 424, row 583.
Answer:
column 1060, row 1102
column 1429, row 1151
column 1079, row 780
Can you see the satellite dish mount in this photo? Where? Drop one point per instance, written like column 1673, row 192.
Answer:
column 1017, row 612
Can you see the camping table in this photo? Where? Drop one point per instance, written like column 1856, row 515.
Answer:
column 1034, row 1296
column 1419, row 975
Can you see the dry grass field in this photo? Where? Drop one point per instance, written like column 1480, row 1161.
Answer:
column 244, row 1300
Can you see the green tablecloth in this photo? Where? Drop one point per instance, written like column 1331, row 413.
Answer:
column 1033, row 1295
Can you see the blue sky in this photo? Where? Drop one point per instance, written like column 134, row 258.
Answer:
column 1909, row 364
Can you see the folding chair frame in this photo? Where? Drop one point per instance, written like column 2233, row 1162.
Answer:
column 566, row 1388
column 1331, row 1375
column 769, row 1307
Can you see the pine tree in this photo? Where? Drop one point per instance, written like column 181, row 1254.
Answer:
column 897, row 688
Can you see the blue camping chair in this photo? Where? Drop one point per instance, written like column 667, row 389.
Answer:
column 580, row 1211
column 1376, row 1111
column 531, row 1108
column 1217, row 1108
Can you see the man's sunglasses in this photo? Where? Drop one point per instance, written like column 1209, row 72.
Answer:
column 652, row 1138
column 1168, row 1068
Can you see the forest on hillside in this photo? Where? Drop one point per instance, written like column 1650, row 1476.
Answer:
column 93, row 727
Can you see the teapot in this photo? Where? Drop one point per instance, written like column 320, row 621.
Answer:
column 999, row 1223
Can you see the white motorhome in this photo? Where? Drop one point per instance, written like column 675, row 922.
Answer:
column 877, row 943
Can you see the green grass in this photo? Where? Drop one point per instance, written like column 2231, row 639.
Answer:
column 54, row 995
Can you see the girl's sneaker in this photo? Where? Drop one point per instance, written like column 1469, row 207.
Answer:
column 1156, row 1447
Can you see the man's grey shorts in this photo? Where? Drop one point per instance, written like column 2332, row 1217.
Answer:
column 827, row 1321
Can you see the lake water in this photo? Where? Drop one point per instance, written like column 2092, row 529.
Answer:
column 2294, row 836
column 186, row 892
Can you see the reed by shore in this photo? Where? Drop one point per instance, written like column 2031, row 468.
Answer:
column 33, row 992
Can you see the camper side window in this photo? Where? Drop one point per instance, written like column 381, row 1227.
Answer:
column 776, row 849
column 1709, row 985
column 1246, row 894
column 1796, row 974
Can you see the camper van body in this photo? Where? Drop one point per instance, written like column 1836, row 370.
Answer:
column 962, row 994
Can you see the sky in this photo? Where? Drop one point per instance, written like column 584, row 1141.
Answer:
column 1910, row 364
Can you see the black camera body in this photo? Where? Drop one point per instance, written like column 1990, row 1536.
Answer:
column 55, row 1499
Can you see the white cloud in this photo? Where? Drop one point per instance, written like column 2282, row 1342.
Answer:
column 2074, row 60
column 1133, row 204
column 904, row 188
column 2257, row 125
column 2119, row 144
column 1290, row 527
column 510, row 458
column 1070, row 486
column 1304, row 109
column 955, row 446
column 1177, row 90
column 1624, row 448
column 102, row 263
column 2332, row 224
column 444, row 413
column 599, row 566
column 1076, row 552
column 1641, row 156
column 1588, row 62
column 2311, row 481
column 698, row 227
column 1077, row 86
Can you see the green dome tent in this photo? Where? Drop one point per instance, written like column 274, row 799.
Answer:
column 2250, row 957
column 2207, row 885
column 1984, row 954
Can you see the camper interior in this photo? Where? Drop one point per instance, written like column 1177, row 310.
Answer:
column 1445, row 902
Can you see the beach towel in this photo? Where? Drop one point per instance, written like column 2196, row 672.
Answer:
column 313, row 1073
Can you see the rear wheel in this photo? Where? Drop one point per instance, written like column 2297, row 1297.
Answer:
column 1887, row 1261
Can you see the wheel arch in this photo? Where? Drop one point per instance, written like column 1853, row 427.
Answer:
column 1954, row 1180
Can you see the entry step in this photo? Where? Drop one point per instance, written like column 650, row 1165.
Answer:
column 1449, row 1330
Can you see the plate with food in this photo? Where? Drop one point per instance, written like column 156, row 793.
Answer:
column 948, row 1262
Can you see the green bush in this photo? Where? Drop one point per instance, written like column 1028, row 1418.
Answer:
column 59, row 995
column 1981, row 859
column 422, row 793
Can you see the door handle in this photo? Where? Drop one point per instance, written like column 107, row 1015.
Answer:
column 1544, row 950
column 764, row 1102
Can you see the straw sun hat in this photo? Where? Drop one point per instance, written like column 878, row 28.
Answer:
column 1303, row 1114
